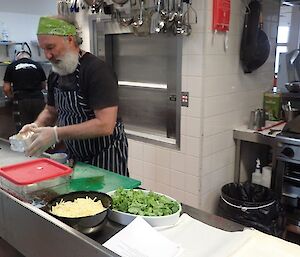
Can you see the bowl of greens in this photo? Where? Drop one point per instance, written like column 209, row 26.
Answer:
column 155, row 208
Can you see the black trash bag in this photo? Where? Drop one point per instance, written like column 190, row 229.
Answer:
column 253, row 206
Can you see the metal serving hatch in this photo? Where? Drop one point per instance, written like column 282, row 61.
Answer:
column 149, row 74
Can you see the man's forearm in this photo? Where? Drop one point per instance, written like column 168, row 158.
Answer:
column 7, row 89
column 47, row 117
column 89, row 129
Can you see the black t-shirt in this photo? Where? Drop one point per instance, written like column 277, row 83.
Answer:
column 97, row 82
column 25, row 75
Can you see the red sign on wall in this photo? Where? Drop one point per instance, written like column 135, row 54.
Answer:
column 221, row 15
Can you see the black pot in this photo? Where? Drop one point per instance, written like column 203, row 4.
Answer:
column 88, row 224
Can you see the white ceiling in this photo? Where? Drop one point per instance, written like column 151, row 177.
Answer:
column 38, row 7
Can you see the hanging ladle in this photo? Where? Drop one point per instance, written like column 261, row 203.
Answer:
column 139, row 21
column 173, row 13
column 187, row 27
column 160, row 23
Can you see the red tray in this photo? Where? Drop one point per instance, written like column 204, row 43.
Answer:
column 34, row 171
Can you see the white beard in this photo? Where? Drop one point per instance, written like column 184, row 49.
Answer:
column 67, row 64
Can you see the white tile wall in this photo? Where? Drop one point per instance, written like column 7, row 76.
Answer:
column 229, row 95
column 221, row 97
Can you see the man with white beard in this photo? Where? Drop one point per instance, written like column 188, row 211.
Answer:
column 82, row 106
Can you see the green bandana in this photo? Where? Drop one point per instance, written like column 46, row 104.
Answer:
column 54, row 26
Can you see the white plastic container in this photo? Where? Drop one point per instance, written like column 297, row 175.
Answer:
column 59, row 157
column 266, row 176
column 257, row 176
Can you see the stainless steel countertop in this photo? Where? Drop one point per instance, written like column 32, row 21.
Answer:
column 18, row 219
column 8, row 157
column 243, row 135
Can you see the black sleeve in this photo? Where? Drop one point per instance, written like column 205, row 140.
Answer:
column 8, row 73
column 100, row 83
column 50, row 92
column 42, row 72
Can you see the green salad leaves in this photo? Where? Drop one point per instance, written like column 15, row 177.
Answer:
column 143, row 203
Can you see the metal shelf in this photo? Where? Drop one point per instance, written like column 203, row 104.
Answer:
column 42, row 63
column 4, row 64
column 11, row 43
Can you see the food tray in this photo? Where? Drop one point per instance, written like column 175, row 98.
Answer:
column 29, row 176
column 155, row 221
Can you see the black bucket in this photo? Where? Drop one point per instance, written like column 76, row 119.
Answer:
column 252, row 205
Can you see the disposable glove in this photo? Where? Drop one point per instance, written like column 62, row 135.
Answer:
column 28, row 128
column 43, row 138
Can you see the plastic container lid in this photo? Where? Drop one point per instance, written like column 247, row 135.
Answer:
column 34, row 171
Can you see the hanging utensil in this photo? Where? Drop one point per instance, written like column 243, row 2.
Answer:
column 160, row 23
column 97, row 5
column 120, row 2
column 255, row 46
column 139, row 21
column 63, row 8
column 172, row 13
column 124, row 21
column 186, row 19
column 154, row 17
column 74, row 6
column 90, row 2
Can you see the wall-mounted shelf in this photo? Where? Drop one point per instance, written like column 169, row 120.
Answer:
column 42, row 63
column 7, row 44
column 3, row 64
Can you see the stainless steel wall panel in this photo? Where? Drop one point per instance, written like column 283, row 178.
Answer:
column 154, row 59
column 144, row 108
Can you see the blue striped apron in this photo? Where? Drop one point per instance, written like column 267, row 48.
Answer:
column 107, row 152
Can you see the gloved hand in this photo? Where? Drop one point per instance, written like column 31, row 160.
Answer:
column 43, row 138
column 28, row 128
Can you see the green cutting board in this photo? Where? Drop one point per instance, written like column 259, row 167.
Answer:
column 87, row 177
column 94, row 178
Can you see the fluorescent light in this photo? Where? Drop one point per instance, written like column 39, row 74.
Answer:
column 142, row 84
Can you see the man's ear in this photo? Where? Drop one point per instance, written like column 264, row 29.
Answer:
column 71, row 39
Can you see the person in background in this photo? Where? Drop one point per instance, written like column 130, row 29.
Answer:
column 24, row 80
column 82, row 105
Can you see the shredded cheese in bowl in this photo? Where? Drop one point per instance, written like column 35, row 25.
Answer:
column 80, row 207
